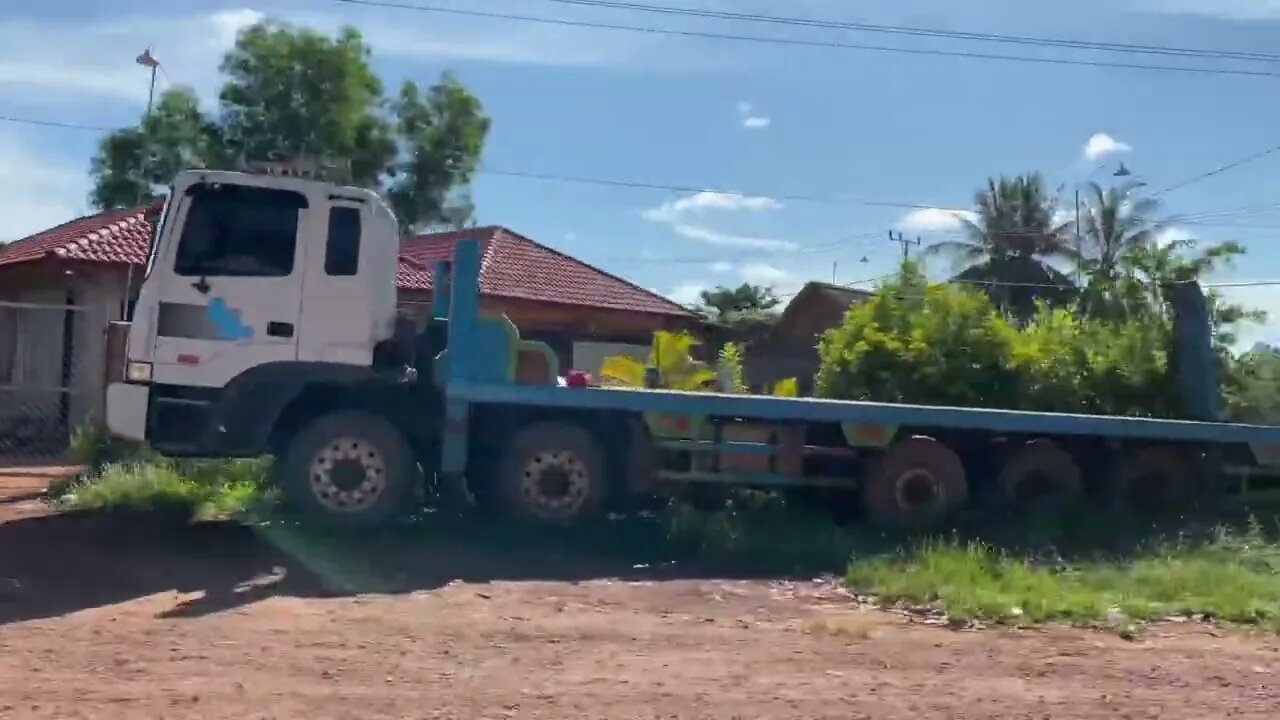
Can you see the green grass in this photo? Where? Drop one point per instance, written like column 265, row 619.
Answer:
column 202, row 489
column 1235, row 581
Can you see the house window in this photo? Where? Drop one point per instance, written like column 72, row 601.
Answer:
column 342, row 254
column 239, row 231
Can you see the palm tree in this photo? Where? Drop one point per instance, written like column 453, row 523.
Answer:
column 1009, row 241
column 1115, row 221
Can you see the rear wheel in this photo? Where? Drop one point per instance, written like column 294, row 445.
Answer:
column 917, row 483
column 1155, row 480
column 349, row 468
column 552, row 472
column 1040, row 474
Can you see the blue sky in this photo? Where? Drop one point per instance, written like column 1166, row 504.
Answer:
column 772, row 123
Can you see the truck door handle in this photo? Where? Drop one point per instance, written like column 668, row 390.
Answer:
column 280, row 329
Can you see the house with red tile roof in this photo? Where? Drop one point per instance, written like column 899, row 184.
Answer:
column 60, row 288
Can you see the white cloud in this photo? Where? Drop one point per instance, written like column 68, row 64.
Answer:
column 750, row 119
column 39, row 191
column 687, row 293
column 682, row 216
column 1225, row 9
column 760, row 273
column 934, row 220
column 1102, row 145
column 64, row 61
column 674, row 210
column 726, row 239
column 1174, row 234
column 721, row 267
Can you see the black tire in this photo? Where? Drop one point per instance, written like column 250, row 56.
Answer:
column 1154, row 480
column 551, row 473
column 916, row 484
column 1039, row 473
column 348, row 444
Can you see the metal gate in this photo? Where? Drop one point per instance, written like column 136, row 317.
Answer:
column 51, row 377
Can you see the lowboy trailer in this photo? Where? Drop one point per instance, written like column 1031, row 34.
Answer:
column 267, row 324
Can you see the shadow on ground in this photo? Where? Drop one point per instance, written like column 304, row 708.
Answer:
column 62, row 563
column 56, row 564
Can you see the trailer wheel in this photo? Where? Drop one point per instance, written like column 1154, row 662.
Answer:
column 1039, row 472
column 350, row 468
column 916, row 483
column 1155, row 480
column 552, row 472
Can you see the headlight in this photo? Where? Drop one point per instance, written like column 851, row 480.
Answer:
column 138, row 372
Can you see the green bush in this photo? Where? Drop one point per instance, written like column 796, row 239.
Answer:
column 949, row 345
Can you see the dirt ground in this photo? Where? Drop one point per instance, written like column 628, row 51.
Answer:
column 121, row 618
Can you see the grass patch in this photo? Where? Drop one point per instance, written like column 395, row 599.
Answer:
column 1237, row 581
column 1079, row 567
column 203, row 489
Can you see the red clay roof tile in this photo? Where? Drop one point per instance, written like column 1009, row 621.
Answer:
column 513, row 266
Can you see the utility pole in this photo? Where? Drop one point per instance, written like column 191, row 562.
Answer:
column 1079, row 240
column 147, row 60
column 905, row 243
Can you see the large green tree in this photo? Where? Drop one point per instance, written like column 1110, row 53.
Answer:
column 444, row 129
column 133, row 162
column 292, row 93
column 1009, row 242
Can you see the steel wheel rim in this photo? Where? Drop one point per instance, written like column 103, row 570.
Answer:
column 555, row 482
column 348, row 475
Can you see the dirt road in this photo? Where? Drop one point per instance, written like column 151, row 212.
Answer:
column 121, row 619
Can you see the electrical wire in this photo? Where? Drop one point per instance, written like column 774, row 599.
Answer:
column 1219, row 170
column 1164, row 50
column 805, row 43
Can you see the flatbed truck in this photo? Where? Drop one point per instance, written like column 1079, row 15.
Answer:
column 267, row 324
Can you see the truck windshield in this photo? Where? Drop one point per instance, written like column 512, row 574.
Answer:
column 155, row 236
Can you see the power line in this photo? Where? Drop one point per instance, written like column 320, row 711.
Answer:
column 1189, row 218
column 609, row 182
column 929, row 32
column 606, row 182
column 51, row 123
column 1219, row 170
column 804, row 43
column 842, row 244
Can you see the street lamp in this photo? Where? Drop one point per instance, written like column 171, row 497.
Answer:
column 146, row 59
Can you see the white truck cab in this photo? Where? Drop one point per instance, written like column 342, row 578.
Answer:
column 252, row 278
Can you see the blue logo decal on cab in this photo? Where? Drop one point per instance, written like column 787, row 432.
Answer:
column 226, row 322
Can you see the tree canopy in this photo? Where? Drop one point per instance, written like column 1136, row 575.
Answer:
column 725, row 304
column 293, row 93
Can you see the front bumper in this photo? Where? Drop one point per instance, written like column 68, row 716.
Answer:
column 127, row 410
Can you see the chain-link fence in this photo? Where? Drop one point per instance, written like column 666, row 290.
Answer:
column 51, row 378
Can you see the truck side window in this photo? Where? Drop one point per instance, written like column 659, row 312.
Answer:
column 342, row 255
column 239, row 231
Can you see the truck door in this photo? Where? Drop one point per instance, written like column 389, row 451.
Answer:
column 338, row 315
column 228, row 284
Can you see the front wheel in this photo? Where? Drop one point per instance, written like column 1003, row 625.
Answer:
column 350, row 468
